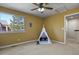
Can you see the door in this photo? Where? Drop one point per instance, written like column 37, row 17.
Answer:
column 77, row 30
column 73, row 30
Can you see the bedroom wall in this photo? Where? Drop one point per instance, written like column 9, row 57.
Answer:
column 29, row 34
column 55, row 24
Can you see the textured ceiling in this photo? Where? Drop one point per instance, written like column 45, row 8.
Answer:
column 26, row 7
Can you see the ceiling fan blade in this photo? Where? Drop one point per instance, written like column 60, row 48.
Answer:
column 35, row 4
column 34, row 9
column 48, row 8
column 41, row 4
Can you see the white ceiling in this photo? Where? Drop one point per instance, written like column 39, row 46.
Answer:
column 26, row 7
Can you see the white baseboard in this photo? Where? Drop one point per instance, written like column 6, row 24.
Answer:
column 5, row 46
column 59, row 42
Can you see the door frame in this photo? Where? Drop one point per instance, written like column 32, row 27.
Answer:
column 65, row 26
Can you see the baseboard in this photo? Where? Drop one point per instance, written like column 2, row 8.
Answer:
column 17, row 44
column 59, row 42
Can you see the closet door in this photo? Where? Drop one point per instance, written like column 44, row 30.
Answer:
column 77, row 30
column 73, row 30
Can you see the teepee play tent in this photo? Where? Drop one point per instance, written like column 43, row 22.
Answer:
column 44, row 38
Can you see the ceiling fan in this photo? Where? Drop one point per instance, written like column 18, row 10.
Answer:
column 41, row 7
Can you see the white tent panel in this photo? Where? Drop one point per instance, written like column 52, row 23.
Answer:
column 44, row 34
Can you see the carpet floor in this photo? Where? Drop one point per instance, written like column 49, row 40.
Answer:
column 33, row 49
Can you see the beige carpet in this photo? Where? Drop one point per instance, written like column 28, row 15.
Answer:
column 33, row 49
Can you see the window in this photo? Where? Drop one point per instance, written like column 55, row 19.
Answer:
column 11, row 23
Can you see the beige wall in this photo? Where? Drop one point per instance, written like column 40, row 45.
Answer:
column 29, row 34
column 54, row 24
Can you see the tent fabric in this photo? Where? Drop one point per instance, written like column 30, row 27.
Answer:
column 44, row 38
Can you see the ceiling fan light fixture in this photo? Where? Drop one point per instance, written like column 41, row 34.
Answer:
column 41, row 9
